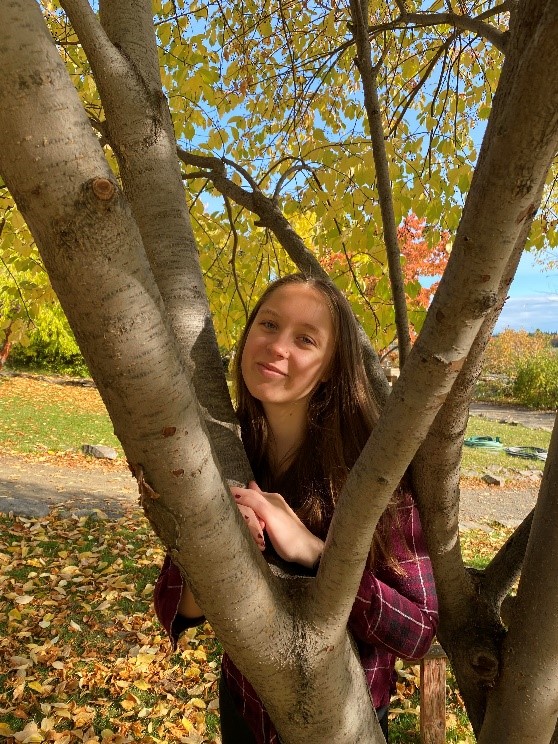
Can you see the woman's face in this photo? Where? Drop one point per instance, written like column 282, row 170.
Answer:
column 289, row 346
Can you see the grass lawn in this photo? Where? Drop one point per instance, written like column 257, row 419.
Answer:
column 83, row 657
column 50, row 421
column 511, row 436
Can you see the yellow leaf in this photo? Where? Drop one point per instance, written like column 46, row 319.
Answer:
column 37, row 686
column 188, row 725
column 5, row 730
column 47, row 724
column 24, row 599
column 29, row 734
column 198, row 703
column 148, row 591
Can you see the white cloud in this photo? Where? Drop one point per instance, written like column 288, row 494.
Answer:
column 530, row 313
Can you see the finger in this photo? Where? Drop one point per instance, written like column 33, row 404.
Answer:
column 256, row 502
column 247, row 512
column 248, row 498
column 254, row 486
column 255, row 525
column 238, row 490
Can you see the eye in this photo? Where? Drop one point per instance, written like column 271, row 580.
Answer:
column 307, row 340
column 269, row 325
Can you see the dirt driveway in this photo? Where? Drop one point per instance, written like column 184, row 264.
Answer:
column 32, row 488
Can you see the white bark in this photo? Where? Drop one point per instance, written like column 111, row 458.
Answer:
column 93, row 252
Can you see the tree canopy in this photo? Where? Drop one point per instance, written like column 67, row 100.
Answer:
column 273, row 89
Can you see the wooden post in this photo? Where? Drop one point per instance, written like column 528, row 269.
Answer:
column 433, row 696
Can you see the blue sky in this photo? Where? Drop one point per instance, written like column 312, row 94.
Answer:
column 533, row 298
column 532, row 302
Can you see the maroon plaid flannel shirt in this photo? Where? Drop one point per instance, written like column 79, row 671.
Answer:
column 394, row 614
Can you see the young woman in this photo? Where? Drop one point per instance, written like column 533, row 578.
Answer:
column 305, row 414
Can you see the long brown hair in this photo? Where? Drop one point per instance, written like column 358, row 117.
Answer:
column 341, row 414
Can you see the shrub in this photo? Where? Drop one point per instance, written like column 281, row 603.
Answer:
column 536, row 382
column 506, row 350
column 50, row 345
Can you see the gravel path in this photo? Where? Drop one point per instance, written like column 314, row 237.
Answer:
column 32, row 488
column 515, row 415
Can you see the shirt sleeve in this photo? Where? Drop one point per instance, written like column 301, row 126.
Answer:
column 166, row 598
column 398, row 611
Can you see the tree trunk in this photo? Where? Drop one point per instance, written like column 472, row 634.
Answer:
column 523, row 706
column 125, row 65
column 93, row 252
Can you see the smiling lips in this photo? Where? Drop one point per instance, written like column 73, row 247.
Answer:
column 270, row 370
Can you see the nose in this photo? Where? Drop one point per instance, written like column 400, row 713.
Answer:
column 279, row 347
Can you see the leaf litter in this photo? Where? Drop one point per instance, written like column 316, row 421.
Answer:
column 45, row 421
column 82, row 656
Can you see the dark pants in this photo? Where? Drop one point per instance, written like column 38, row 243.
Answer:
column 233, row 727
column 382, row 714
column 235, row 731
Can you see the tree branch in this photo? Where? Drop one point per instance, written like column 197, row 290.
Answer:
column 383, row 181
column 124, row 59
column 233, row 255
column 476, row 25
column 424, row 77
column 438, row 483
column 525, row 666
column 504, row 569
column 465, row 609
column 100, row 51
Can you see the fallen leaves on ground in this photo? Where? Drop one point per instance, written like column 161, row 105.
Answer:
column 84, row 398
column 82, row 657
column 479, row 546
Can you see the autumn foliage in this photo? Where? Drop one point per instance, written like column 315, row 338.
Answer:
column 422, row 257
column 506, row 350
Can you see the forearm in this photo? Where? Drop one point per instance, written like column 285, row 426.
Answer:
column 188, row 606
column 398, row 619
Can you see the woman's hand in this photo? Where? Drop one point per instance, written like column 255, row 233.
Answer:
column 290, row 538
column 254, row 524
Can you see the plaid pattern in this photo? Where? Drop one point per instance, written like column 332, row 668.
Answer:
column 394, row 614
